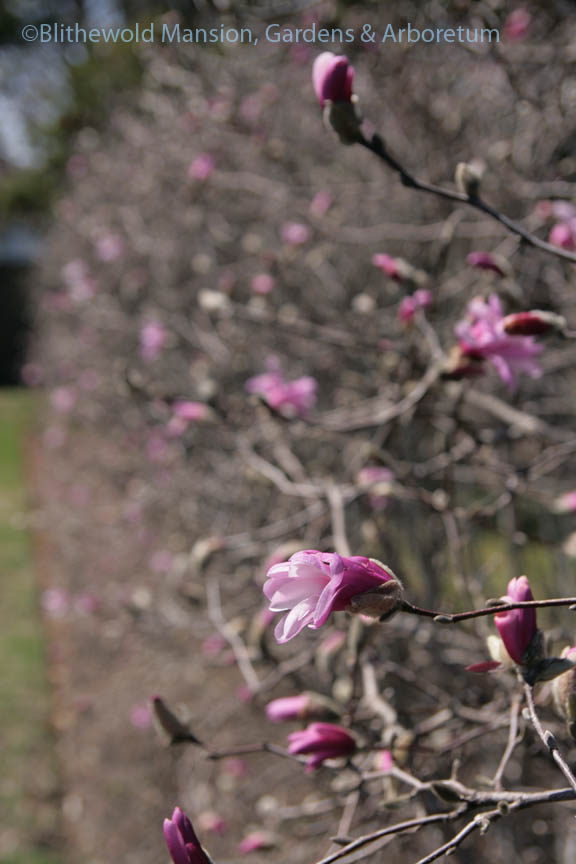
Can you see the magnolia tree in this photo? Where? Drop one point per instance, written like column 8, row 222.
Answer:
column 399, row 486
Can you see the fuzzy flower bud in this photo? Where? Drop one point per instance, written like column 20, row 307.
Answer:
column 468, row 176
column 333, row 77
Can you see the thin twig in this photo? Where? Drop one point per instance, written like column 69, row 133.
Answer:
column 548, row 738
column 377, row 146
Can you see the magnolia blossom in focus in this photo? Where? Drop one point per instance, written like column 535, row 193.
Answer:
column 183, row 845
column 482, row 335
column 517, row 627
column 291, row 398
column 312, row 585
column 332, row 77
column 321, row 741
column 413, row 303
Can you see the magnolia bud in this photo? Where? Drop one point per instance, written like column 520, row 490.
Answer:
column 169, row 726
column 344, row 119
column 462, row 365
column 468, row 176
column 533, row 323
column 379, row 602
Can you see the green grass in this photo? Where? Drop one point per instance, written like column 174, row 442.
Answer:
column 27, row 762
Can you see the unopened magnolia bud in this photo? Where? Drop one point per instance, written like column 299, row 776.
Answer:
column 378, row 602
column 169, row 726
column 344, row 119
column 460, row 365
column 533, row 323
column 468, row 176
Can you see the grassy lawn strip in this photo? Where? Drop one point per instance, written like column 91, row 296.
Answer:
column 28, row 782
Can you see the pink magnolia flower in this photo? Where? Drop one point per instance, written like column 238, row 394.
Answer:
column 63, row 399
column 295, row 233
column 517, row 25
column 291, row 398
column 488, row 261
column 410, row 305
column 389, row 265
column 321, row 741
column 312, row 585
column 332, row 77
column 183, row 845
column 211, row 821
column 482, row 335
column 563, row 234
column 201, row 168
column 152, row 339
column 517, row 627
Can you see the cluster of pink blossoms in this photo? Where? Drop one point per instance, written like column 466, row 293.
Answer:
column 483, row 336
column 291, row 398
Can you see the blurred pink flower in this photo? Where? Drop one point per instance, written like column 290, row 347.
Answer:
column 378, row 481
column 321, row 203
column 153, row 337
column 518, row 626
column 413, row 303
column 289, row 708
column 161, row 561
column 109, row 247
column 186, row 412
column 254, row 841
column 295, row 233
column 332, row 77
column 312, row 585
column 201, row 168
column 563, row 234
column 482, row 335
column 383, row 761
column 183, row 845
column 291, row 398
column 388, row 265
column 487, row 261
column 517, row 25
column 321, row 741
column 263, row 283
column 211, row 822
